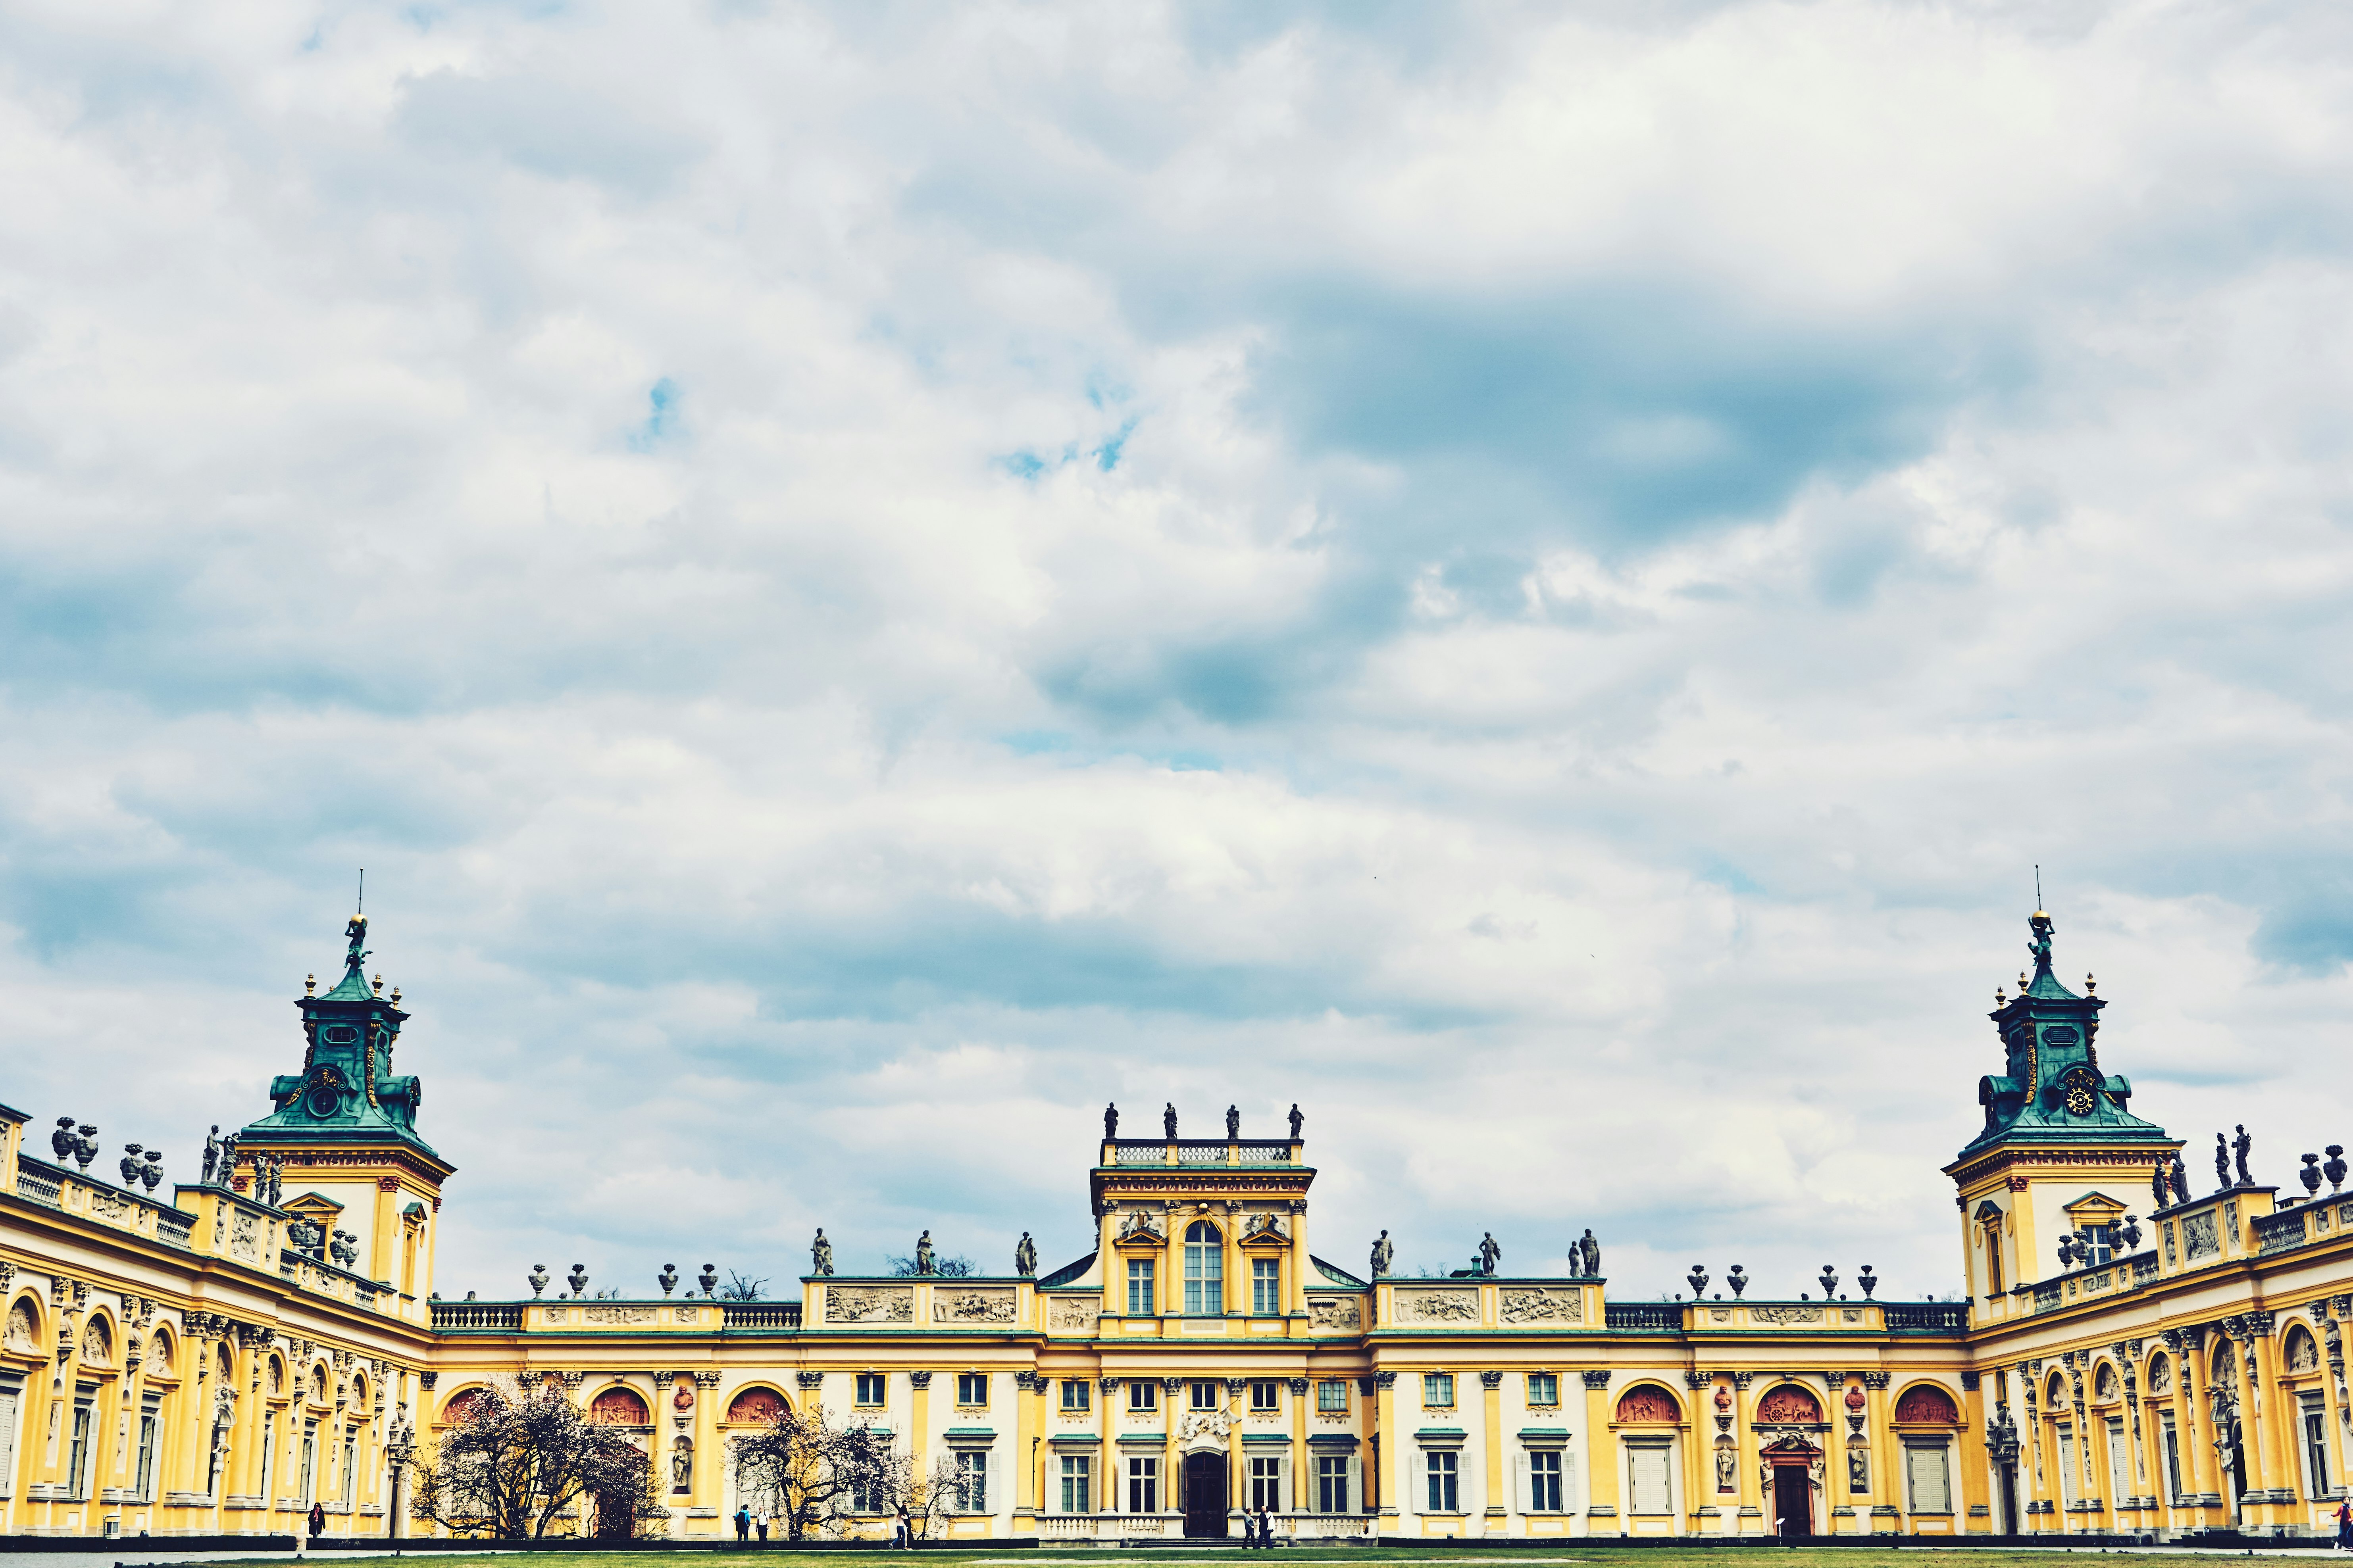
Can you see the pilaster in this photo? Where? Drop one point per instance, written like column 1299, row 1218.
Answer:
column 1887, row 1481
column 1496, row 1518
column 1600, row 1458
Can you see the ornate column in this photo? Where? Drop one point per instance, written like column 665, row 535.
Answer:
column 1303, row 1477
column 2270, row 1414
column 2037, row 1483
column 1976, row 1483
column 1384, row 1440
column 1496, row 1520
column 710, row 1464
column 919, row 1420
column 1748, row 1503
column 1600, row 1460
column 1887, row 1481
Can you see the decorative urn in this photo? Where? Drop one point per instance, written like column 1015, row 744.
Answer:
column 537, row 1279
column 668, row 1278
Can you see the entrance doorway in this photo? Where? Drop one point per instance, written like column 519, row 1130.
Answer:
column 1793, row 1500
column 2009, row 1525
column 1205, row 1494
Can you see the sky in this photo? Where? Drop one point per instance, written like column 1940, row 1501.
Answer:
column 867, row 579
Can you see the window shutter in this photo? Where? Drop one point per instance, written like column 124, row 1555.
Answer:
column 1568, row 1497
column 1520, row 1496
column 1356, row 1484
column 995, row 1500
column 8, row 1397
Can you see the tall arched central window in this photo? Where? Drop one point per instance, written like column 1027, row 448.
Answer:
column 1205, row 1269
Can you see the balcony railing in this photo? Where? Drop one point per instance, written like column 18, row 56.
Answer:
column 506, row 1315
column 1190, row 1153
column 761, row 1314
column 1643, row 1317
column 1927, row 1317
column 36, row 1183
column 2279, row 1232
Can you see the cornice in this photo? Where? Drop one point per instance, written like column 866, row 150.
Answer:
column 1971, row 1168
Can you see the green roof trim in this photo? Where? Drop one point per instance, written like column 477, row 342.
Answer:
column 1268, row 1438
column 1440, row 1432
column 1559, row 1432
column 346, row 1092
column 1337, row 1276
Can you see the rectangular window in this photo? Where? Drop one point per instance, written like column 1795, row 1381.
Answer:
column 972, row 1388
column 1437, row 1389
column 1331, row 1396
column 2315, row 1448
column 351, row 1465
column 1142, row 1395
column 1206, row 1395
column 1646, row 1466
column 2172, row 1458
column 310, row 1459
column 1144, row 1485
column 1266, row 1286
column 1141, row 1302
column 1205, row 1278
column 11, row 1399
column 972, row 1481
column 1444, row 1496
column 865, row 1492
column 1266, row 1485
column 2120, row 1473
column 2067, row 1462
column 145, row 1480
column 1544, row 1480
column 870, row 1388
column 1077, row 1394
column 1331, row 1483
column 1263, row 1391
column 78, row 1456
column 1078, row 1483
column 1544, row 1388
column 1930, row 1491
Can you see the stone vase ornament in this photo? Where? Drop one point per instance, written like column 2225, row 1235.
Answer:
column 708, row 1279
column 1830, row 1279
column 1737, row 1280
column 666, row 1279
column 1697, row 1279
column 537, row 1279
column 2335, row 1169
column 151, row 1175
column 578, row 1280
column 1866, row 1281
column 2310, row 1175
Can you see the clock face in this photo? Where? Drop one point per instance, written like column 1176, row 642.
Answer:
column 2079, row 1099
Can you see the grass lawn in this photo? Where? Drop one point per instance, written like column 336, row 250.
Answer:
column 1393, row 1557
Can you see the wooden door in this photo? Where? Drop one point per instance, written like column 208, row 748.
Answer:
column 1205, row 1494
column 1793, row 1500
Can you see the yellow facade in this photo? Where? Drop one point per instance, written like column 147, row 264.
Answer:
column 204, row 1366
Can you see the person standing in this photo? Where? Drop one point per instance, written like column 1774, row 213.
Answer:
column 2345, row 1526
column 318, row 1522
column 743, row 1523
column 1265, row 1532
column 903, row 1531
column 763, row 1522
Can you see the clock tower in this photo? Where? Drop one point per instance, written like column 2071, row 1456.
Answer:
column 2060, row 1150
column 345, row 1129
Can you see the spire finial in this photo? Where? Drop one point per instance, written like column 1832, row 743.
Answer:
column 363, row 907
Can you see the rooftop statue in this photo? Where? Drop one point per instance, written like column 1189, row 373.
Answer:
column 1490, row 1253
column 1168, row 1120
column 2241, row 1147
column 1233, row 1123
column 820, row 1254
column 1384, row 1253
column 1025, row 1256
column 1297, row 1121
column 1111, row 1120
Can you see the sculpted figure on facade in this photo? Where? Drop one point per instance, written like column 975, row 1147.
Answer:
column 1384, row 1254
column 1233, row 1123
column 1111, row 1120
column 1025, row 1256
column 1297, row 1122
column 2241, row 1147
column 1168, row 1121
column 820, row 1254
column 1589, row 1252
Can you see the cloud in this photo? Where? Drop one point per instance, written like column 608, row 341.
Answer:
column 864, row 583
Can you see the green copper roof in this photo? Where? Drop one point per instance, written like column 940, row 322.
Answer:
column 346, row 1091
column 2054, row 1090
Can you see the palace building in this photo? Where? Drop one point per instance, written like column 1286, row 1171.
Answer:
column 2131, row 1359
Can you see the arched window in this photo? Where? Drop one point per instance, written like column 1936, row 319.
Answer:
column 1205, row 1269
column 1927, row 1401
column 620, row 1407
column 755, row 1405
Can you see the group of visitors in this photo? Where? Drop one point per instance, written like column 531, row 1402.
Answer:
column 1258, row 1530
column 902, row 1527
